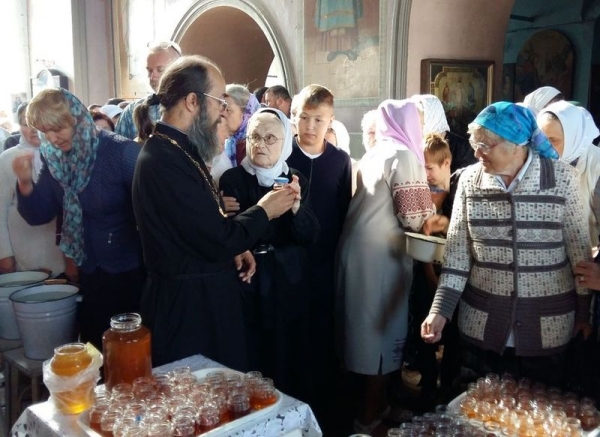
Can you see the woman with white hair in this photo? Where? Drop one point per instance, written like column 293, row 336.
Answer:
column 241, row 104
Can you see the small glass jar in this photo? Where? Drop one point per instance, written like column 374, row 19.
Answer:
column 127, row 350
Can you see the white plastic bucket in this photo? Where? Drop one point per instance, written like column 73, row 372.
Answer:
column 9, row 283
column 46, row 317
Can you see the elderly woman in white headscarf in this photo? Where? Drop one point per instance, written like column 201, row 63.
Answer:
column 276, row 303
column 435, row 122
column 571, row 130
column 542, row 97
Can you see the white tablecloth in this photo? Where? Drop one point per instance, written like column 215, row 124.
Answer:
column 293, row 418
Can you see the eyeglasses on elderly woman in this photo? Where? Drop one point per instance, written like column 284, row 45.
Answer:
column 268, row 139
column 485, row 148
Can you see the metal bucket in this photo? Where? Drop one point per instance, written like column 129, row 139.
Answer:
column 9, row 283
column 46, row 317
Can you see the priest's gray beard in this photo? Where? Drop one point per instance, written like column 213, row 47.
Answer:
column 203, row 135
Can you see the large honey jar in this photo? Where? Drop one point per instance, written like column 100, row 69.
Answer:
column 126, row 348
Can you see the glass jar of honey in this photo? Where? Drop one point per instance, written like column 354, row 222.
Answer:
column 77, row 388
column 126, row 348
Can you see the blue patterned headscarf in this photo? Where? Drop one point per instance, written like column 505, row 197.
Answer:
column 73, row 170
column 517, row 124
column 251, row 107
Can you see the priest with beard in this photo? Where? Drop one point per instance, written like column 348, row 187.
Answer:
column 196, row 257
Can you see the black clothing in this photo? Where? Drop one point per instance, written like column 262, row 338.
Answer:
column 105, row 295
column 276, row 302
column 422, row 294
column 12, row 141
column 192, row 299
column 463, row 154
column 329, row 192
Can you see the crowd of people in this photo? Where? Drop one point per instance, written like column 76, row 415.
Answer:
column 174, row 206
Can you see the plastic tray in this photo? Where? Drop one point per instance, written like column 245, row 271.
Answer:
column 454, row 406
column 84, row 420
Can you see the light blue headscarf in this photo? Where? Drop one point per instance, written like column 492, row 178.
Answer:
column 72, row 170
column 266, row 176
column 251, row 107
column 517, row 124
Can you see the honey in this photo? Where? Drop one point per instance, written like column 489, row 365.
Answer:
column 69, row 361
column 126, row 346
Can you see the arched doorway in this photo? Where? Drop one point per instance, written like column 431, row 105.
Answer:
column 238, row 38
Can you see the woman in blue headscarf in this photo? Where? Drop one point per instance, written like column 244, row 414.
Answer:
column 276, row 303
column 515, row 236
column 86, row 178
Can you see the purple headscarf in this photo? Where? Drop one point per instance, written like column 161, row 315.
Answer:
column 252, row 106
column 398, row 123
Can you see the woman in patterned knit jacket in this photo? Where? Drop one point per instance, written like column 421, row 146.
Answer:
column 516, row 233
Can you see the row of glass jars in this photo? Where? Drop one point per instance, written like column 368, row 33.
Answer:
column 177, row 403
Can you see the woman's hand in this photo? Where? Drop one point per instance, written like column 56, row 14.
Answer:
column 231, row 205
column 436, row 223
column 432, row 327
column 587, row 274
column 295, row 187
column 71, row 270
column 584, row 327
column 7, row 265
column 246, row 265
column 23, row 169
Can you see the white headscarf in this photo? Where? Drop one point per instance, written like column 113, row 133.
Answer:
column 341, row 135
column 266, row 176
column 540, row 98
column 578, row 127
column 434, row 116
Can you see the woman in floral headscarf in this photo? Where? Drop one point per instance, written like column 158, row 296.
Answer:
column 86, row 177
column 276, row 303
column 515, row 236
column 241, row 105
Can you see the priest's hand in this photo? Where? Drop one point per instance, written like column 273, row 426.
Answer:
column 277, row 202
column 23, row 169
column 246, row 265
column 431, row 328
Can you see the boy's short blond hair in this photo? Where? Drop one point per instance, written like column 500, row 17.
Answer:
column 312, row 96
column 436, row 149
column 49, row 109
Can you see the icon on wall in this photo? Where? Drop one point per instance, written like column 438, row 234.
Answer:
column 546, row 59
column 465, row 87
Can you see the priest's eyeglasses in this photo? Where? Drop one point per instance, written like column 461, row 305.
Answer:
column 268, row 139
column 222, row 103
